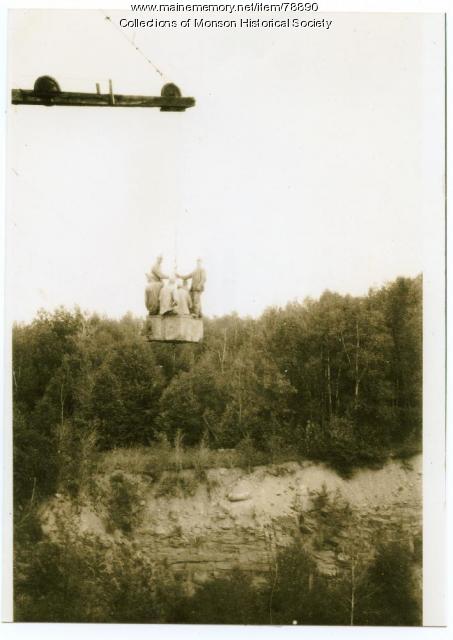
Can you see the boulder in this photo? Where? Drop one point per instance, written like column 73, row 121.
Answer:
column 238, row 496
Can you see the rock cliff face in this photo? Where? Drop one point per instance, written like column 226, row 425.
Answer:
column 201, row 526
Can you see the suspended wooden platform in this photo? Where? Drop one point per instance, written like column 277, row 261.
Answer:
column 47, row 92
column 174, row 329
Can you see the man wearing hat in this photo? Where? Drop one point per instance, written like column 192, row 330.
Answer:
column 198, row 277
column 155, row 282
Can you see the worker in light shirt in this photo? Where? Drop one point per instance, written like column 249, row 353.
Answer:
column 198, row 280
column 155, row 283
column 183, row 299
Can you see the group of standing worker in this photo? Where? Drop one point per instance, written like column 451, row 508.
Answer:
column 170, row 295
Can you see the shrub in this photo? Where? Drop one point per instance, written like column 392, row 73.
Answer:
column 80, row 581
column 390, row 597
column 172, row 484
column 124, row 508
column 342, row 448
column 296, row 591
column 248, row 455
column 62, row 582
column 228, row 600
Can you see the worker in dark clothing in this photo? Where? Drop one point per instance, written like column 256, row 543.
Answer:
column 198, row 280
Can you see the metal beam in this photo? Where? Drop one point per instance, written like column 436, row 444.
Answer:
column 74, row 99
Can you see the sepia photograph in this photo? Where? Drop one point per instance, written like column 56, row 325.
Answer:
column 221, row 226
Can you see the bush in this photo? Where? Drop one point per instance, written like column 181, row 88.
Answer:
column 249, row 456
column 173, row 484
column 296, row 591
column 229, row 600
column 62, row 582
column 342, row 448
column 124, row 507
column 390, row 597
column 81, row 581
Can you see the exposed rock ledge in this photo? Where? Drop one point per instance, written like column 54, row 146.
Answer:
column 233, row 518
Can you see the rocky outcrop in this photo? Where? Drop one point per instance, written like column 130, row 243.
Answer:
column 203, row 526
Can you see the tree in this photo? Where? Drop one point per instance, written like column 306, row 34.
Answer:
column 297, row 592
column 389, row 594
column 403, row 309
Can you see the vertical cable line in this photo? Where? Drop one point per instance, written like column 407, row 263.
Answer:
column 132, row 43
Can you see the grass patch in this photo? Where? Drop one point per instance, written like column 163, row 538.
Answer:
column 162, row 456
column 156, row 459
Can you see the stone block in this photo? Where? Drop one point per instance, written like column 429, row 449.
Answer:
column 174, row 329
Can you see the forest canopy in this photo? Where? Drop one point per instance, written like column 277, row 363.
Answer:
column 337, row 380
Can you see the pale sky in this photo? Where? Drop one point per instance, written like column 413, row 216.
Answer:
column 303, row 166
